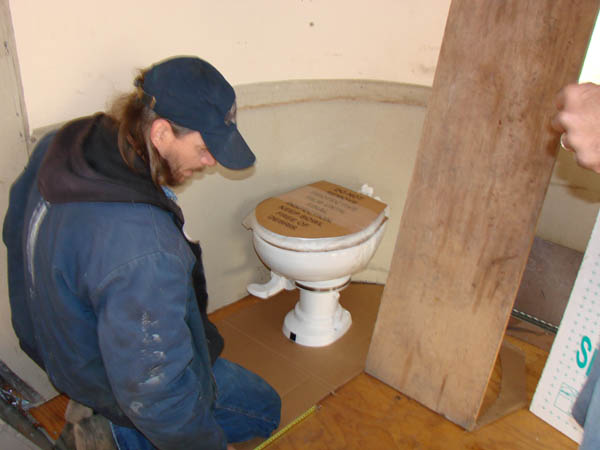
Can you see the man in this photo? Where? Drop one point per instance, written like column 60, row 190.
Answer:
column 107, row 294
column 578, row 119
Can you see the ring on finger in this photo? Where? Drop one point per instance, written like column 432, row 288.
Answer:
column 562, row 144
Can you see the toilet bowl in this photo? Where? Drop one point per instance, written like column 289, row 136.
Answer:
column 314, row 238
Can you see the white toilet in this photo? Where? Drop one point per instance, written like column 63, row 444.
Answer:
column 314, row 238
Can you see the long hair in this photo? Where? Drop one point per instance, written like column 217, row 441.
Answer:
column 134, row 119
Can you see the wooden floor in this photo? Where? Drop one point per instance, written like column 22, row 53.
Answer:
column 367, row 414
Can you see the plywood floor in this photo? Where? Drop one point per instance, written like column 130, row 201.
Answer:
column 367, row 414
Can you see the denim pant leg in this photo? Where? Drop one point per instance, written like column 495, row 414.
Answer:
column 130, row 439
column 591, row 433
column 246, row 406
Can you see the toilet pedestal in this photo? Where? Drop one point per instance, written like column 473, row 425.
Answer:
column 318, row 319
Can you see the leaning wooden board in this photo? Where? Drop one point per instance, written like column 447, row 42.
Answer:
column 483, row 166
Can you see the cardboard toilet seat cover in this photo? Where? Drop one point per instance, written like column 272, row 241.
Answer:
column 321, row 210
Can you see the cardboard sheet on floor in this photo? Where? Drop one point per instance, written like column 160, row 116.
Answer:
column 301, row 375
column 513, row 387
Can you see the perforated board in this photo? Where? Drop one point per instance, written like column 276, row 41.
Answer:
column 574, row 347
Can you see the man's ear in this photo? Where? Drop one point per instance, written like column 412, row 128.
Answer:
column 161, row 135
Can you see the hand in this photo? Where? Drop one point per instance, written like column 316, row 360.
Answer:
column 578, row 119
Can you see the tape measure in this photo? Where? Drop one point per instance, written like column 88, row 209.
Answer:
column 287, row 428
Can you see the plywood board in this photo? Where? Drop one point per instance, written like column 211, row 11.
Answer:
column 368, row 415
column 483, row 165
column 574, row 349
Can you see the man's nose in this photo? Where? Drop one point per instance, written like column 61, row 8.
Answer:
column 208, row 159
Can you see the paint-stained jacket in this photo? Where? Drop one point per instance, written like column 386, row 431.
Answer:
column 106, row 293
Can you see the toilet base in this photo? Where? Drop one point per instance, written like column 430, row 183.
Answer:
column 318, row 319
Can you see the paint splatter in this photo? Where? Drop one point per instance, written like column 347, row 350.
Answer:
column 157, row 379
column 136, row 406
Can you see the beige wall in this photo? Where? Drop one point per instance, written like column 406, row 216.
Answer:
column 571, row 204
column 75, row 54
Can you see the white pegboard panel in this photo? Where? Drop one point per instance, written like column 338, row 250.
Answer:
column 574, row 348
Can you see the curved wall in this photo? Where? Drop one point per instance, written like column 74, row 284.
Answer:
column 347, row 132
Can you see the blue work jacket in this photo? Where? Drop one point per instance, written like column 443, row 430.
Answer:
column 104, row 297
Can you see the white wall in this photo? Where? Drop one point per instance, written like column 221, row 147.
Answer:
column 75, row 53
column 591, row 67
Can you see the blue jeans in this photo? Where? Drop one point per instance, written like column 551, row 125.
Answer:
column 586, row 410
column 246, row 407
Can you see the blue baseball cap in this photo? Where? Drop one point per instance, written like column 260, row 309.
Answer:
column 193, row 94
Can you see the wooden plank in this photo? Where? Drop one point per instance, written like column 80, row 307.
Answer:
column 51, row 415
column 484, row 162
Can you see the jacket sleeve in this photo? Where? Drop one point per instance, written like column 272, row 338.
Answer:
column 14, row 239
column 148, row 353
